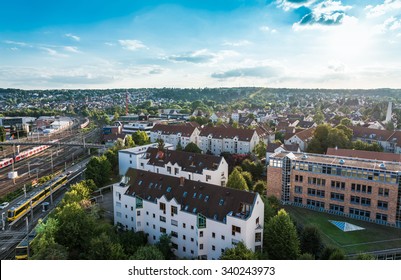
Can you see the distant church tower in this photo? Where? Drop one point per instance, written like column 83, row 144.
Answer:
column 389, row 112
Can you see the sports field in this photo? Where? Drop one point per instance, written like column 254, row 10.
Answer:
column 373, row 238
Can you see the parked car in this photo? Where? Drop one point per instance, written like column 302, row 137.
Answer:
column 4, row 205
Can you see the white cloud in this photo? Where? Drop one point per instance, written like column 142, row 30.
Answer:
column 132, row 45
column 73, row 37
column 287, row 5
column 240, row 43
column 382, row 9
column 264, row 28
column 21, row 44
column 53, row 52
column 71, row 49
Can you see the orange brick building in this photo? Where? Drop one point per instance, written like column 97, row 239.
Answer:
column 357, row 188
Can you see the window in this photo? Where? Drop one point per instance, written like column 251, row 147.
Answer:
column 298, row 199
column 213, row 248
column 235, row 229
column 258, row 237
column 315, row 203
column 118, row 214
column 173, row 210
column 169, row 169
column 162, row 230
column 298, row 189
column 192, row 227
column 213, row 235
column 383, row 192
column 223, row 237
column 163, row 207
column 176, row 171
column 201, row 246
column 184, row 249
column 299, row 178
column 360, row 213
column 208, row 177
column 381, row 217
column 337, row 196
column 192, row 239
column 162, row 219
column 154, row 226
column 132, row 208
column 118, row 204
column 201, row 221
column 382, row 204
column 184, row 237
column 154, row 215
column 138, row 213
column 338, row 185
column 201, row 233
column 183, row 225
column 174, row 234
column 174, row 223
column 337, row 208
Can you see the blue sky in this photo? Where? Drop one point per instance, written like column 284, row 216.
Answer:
column 136, row 43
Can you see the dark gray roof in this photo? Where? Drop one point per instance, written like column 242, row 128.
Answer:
column 212, row 201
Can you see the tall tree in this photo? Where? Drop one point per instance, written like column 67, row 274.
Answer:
column 148, row 252
column 99, row 170
column 236, row 181
column 238, row 252
column 311, row 241
column 129, row 142
column 260, row 187
column 2, row 134
column 192, row 148
column 260, row 149
column 140, row 138
column 280, row 238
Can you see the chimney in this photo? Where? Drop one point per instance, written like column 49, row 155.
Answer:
column 182, row 180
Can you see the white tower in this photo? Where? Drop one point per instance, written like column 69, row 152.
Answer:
column 389, row 112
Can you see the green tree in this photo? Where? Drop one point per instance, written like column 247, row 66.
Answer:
column 140, row 138
column 347, row 131
column 98, row 169
column 325, row 136
column 131, row 241
column 101, row 247
column 366, row 257
column 2, row 134
column 148, row 252
column 306, row 256
column 44, row 246
column 311, row 241
column 238, row 252
column 236, row 181
column 164, row 246
column 248, row 179
column 192, row 148
column 318, row 118
column 128, row 142
column 75, row 221
column 179, row 146
column 260, row 187
column 346, row 122
column 280, row 238
column 260, row 149
column 332, row 253
column 160, row 144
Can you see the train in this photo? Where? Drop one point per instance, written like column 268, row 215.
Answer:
column 24, row 154
column 23, row 250
column 37, row 197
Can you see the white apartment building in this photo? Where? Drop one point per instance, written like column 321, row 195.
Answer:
column 196, row 167
column 203, row 220
column 138, row 126
column 217, row 140
column 174, row 134
column 129, row 158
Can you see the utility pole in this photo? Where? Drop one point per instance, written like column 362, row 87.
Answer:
column 51, row 159
column 51, row 195
column 30, row 203
column 27, row 225
column 3, row 221
column 29, row 169
column 24, row 188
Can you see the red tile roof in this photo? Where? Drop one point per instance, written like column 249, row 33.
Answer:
column 186, row 130
column 221, row 132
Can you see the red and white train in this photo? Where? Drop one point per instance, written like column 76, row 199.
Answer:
column 24, row 154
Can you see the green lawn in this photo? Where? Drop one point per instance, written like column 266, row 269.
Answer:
column 373, row 238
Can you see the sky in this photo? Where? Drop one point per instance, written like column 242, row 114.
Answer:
column 99, row 44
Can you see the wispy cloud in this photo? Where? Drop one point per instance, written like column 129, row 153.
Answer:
column 73, row 37
column 240, row 43
column 21, row 44
column 382, row 9
column 71, row 49
column 53, row 52
column 258, row 71
column 132, row 45
column 201, row 56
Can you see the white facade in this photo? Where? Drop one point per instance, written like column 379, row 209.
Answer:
column 138, row 126
column 217, row 177
column 231, row 145
column 189, row 239
column 130, row 157
column 175, row 138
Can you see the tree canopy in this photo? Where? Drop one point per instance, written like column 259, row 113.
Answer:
column 238, row 252
column 237, row 181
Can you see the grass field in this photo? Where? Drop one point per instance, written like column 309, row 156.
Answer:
column 373, row 238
